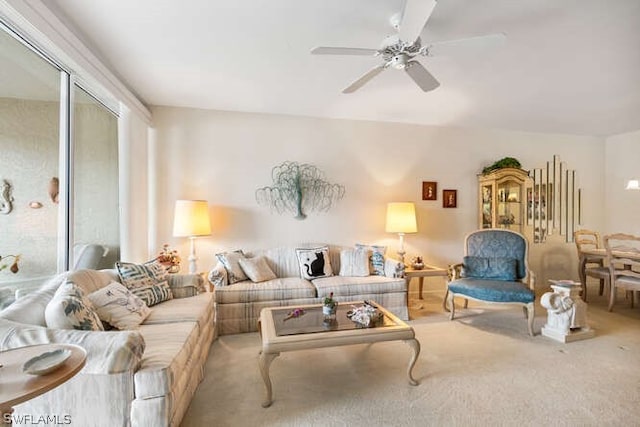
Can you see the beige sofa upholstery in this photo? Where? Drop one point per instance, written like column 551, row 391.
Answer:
column 238, row 305
column 144, row 377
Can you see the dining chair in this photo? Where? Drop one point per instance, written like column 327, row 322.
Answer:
column 592, row 266
column 623, row 257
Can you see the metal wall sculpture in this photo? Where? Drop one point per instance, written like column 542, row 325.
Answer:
column 299, row 188
column 554, row 202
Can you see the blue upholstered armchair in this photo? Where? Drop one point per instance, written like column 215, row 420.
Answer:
column 495, row 269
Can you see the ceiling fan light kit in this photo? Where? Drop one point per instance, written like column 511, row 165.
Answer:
column 401, row 54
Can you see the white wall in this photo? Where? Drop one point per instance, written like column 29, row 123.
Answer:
column 622, row 163
column 225, row 156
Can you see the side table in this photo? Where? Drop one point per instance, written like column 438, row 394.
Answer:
column 427, row 271
column 17, row 386
column 566, row 312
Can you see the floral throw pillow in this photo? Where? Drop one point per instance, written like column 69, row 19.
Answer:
column 231, row 263
column 119, row 307
column 314, row 263
column 71, row 309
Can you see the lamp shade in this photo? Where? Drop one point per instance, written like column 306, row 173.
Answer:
column 401, row 218
column 633, row 184
column 191, row 218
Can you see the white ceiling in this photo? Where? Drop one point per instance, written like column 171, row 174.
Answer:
column 569, row 66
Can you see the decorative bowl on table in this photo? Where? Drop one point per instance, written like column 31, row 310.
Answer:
column 46, row 363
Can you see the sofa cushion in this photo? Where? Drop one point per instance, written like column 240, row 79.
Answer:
column 354, row 262
column 276, row 289
column 70, row 308
column 169, row 347
column 30, row 308
column 496, row 268
column 257, row 269
column 193, row 309
column 348, row 286
column 231, row 263
column 314, row 262
column 376, row 257
column 119, row 307
column 492, row 290
column 154, row 294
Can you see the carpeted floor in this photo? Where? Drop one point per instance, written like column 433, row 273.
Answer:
column 481, row 369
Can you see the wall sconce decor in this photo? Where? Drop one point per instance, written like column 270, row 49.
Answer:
column 633, row 184
column 299, row 188
column 6, row 199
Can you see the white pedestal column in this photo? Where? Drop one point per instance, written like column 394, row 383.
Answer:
column 566, row 313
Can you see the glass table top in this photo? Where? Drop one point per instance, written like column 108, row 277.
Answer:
column 313, row 321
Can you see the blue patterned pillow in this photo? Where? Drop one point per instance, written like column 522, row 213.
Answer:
column 154, row 294
column 376, row 259
column 141, row 275
column 489, row 268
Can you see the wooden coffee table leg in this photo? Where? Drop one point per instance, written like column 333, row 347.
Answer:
column 415, row 346
column 265, row 362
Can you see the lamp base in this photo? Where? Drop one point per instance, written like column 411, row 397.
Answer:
column 193, row 267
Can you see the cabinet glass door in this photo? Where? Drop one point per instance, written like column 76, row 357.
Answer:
column 509, row 211
column 486, row 206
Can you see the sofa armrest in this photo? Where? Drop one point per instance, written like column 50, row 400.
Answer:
column 454, row 271
column 186, row 285
column 107, row 352
column 393, row 268
column 218, row 276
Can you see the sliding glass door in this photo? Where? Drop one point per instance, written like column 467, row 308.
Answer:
column 58, row 170
column 29, row 161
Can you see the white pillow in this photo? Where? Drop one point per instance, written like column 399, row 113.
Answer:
column 354, row 262
column 257, row 269
column 314, row 262
column 71, row 309
column 230, row 261
column 119, row 307
column 376, row 258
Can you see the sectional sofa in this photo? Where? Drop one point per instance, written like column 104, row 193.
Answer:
column 238, row 305
column 141, row 378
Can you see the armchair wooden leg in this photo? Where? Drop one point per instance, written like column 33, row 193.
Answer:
column 466, row 303
column 601, row 286
column 452, row 306
column 531, row 314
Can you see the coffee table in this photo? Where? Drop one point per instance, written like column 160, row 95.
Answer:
column 310, row 331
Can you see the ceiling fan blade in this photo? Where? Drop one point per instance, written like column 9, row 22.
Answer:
column 414, row 18
column 450, row 47
column 364, row 79
column 421, row 76
column 343, row 51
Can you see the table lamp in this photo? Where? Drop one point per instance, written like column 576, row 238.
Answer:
column 401, row 219
column 191, row 220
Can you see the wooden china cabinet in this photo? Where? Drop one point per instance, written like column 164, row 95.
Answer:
column 502, row 199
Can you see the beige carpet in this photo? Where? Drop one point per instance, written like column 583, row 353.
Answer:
column 481, row 369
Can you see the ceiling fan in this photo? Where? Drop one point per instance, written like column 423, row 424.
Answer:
column 401, row 50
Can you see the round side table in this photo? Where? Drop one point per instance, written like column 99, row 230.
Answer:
column 17, row 386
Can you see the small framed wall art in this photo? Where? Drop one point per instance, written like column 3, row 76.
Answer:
column 429, row 190
column 449, row 198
